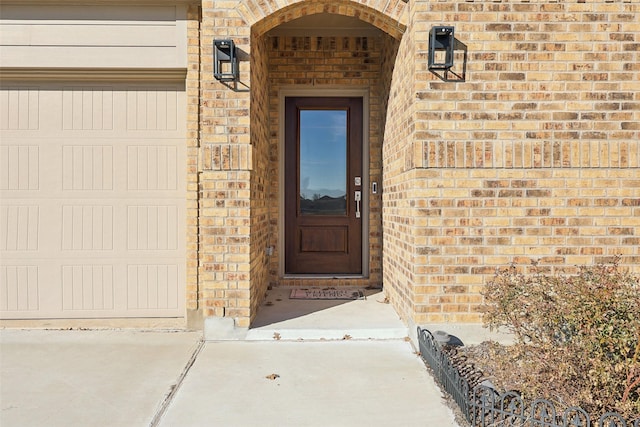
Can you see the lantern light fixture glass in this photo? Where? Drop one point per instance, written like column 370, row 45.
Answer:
column 225, row 61
column 441, row 44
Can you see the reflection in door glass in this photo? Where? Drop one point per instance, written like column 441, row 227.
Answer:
column 323, row 162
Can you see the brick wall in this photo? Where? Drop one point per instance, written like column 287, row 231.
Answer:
column 193, row 142
column 531, row 155
column 225, row 181
column 261, row 190
column 398, row 211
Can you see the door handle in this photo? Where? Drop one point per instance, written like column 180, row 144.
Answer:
column 358, row 198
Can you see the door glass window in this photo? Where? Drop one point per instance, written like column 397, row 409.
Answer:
column 323, row 162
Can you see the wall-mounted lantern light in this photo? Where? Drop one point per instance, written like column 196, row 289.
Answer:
column 441, row 42
column 225, row 61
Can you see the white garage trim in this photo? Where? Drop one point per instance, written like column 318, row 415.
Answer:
column 101, row 2
column 89, row 35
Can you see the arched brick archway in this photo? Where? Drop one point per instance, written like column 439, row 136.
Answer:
column 305, row 61
column 387, row 15
column 239, row 253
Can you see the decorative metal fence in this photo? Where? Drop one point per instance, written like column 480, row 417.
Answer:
column 484, row 406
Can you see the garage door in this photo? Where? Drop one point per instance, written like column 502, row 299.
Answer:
column 92, row 214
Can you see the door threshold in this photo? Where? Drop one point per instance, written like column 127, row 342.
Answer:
column 325, row 276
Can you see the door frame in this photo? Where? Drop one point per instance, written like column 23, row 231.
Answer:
column 329, row 91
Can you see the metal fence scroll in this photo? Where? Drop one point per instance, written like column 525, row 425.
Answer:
column 484, row 406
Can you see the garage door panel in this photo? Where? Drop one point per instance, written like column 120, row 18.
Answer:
column 152, row 167
column 87, row 287
column 29, row 289
column 152, row 227
column 84, row 164
column 104, row 109
column 152, row 110
column 19, row 227
column 87, row 108
column 19, row 288
column 93, row 209
column 87, row 228
column 19, row 167
column 132, row 108
column 20, row 108
column 153, row 286
column 87, row 167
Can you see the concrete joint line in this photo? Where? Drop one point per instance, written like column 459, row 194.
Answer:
column 168, row 398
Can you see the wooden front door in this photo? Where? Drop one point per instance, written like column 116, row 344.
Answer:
column 323, row 185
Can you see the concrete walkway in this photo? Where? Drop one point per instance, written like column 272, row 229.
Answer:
column 136, row 378
column 333, row 383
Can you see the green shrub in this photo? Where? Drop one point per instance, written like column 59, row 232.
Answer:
column 577, row 337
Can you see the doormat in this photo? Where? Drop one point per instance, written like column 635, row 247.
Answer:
column 348, row 294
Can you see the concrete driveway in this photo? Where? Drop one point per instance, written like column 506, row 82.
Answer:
column 88, row 378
